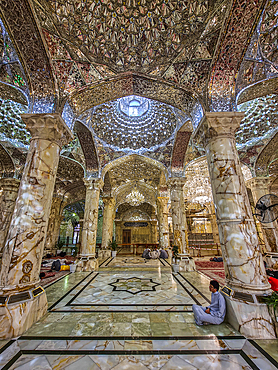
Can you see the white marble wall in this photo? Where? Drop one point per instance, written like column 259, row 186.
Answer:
column 162, row 203
column 178, row 214
column 108, row 218
column 260, row 186
column 8, row 194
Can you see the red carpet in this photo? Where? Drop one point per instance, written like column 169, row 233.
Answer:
column 214, row 270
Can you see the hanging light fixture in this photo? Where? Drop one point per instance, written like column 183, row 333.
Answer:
column 135, row 198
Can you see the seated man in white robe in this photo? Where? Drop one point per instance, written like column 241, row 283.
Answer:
column 215, row 312
column 154, row 254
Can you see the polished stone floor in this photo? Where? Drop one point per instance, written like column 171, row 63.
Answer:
column 130, row 318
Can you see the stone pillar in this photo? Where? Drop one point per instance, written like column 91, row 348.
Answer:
column 261, row 186
column 153, row 231
column 118, row 224
column 9, row 190
column 108, row 218
column 25, row 301
column 162, row 203
column 54, row 223
column 214, row 226
column 87, row 261
column 107, row 227
column 178, row 214
column 244, row 268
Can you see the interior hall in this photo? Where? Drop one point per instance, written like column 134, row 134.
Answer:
column 138, row 184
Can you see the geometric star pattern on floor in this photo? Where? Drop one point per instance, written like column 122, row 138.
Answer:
column 134, row 285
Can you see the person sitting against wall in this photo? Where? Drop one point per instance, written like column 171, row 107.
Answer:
column 163, row 254
column 215, row 312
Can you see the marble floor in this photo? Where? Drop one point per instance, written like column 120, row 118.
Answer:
column 124, row 318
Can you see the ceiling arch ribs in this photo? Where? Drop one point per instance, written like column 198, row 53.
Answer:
column 7, row 166
column 258, row 89
column 136, row 159
column 268, row 153
column 130, row 83
column 123, row 190
column 240, row 25
column 180, row 147
column 89, row 149
column 22, row 27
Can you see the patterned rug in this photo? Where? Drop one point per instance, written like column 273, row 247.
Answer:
column 214, row 270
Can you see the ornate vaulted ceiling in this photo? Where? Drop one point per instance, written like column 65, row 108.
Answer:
column 121, row 35
column 135, row 170
column 77, row 57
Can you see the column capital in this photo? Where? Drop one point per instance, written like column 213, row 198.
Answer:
column 215, row 124
column 176, row 182
column 9, row 184
column 259, row 183
column 108, row 201
column 163, row 200
column 48, row 126
column 93, row 183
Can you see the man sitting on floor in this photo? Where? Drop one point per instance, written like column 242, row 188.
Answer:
column 163, row 254
column 146, row 253
column 215, row 312
column 154, row 254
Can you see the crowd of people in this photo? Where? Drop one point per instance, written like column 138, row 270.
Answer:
column 154, row 254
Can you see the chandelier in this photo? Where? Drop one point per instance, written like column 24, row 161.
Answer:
column 135, row 198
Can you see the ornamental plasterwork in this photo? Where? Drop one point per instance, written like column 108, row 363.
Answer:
column 122, row 35
column 242, row 19
column 144, row 208
column 12, row 128
column 266, row 156
column 148, row 192
column 135, row 169
column 261, row 58
column 11, row 71
column 259, row 122
column 135, row 215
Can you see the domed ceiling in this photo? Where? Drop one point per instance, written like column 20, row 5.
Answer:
column 133, row 124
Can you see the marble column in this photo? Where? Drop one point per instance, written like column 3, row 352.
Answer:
column 261, row 186
column 54, row 223
column 214, row 226
column 107, row 226
column 118, row 224
column 153, row 231
column 178, row 214
column 9, row 190
column 244, row 268
column 162, row 203
column 25, row 301
column 87, row 261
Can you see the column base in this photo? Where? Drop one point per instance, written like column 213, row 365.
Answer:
column 271, row 259
column 87, row 264
column 186, row 263
column 18, row 312
column 250, row 319
column 104, row 254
